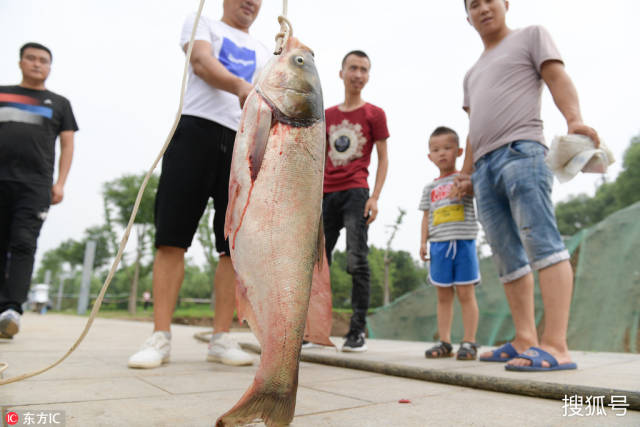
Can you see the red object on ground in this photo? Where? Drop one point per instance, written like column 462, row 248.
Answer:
column 404, row 401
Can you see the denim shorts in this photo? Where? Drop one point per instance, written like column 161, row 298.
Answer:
column 453, row 262
column 512, row 185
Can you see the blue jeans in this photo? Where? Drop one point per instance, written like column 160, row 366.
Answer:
column 512, row 185
column 346, row 209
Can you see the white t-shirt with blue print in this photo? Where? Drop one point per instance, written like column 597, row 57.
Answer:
column 239, row 52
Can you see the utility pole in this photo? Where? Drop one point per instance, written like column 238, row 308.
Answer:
column 89, row 255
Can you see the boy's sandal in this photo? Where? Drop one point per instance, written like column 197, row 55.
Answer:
column 467, row 351
column 442, row 349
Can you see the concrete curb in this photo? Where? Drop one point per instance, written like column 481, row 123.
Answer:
column 523, row 387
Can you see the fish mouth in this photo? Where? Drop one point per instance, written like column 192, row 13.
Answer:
column 300, row 91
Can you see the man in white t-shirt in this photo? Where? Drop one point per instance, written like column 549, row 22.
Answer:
column 225, row 61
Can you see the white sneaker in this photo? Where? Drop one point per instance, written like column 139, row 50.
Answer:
column 153, row 353
column 309, row 344
column 9, row 323
column 224, row 349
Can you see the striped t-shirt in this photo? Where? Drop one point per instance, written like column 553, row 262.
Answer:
column 448, row 219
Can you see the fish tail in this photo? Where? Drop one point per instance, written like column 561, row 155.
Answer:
column 274, row 408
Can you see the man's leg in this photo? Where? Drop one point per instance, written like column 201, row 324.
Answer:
column 181, row 198
column 332, row 221
column 357, row 261
column 556, row 285
column 519, row 294
column 222, row 347
column 225, row 293
column 168, row 273
column 5, row 224
column 28, row 211
column 532, row 207
column 495, row 214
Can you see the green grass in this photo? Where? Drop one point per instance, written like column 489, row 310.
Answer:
column 185, row 310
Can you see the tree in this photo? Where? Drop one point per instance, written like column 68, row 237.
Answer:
column 408, row 273
column 119, row 197
column 627, row 190
column 340, row 280
column 405, row 275
column 208, row 243
column 387, row 258
column 582, row 211
column 71, row 253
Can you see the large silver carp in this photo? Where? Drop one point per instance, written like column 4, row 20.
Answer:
column 274, row 225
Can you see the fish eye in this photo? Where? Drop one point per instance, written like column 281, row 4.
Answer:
column 299, row 60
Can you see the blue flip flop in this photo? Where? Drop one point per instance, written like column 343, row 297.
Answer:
column 537, row 356
column 495, row 355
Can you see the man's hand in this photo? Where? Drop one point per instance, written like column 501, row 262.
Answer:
column 424, row 254
column 582, row 129
column 243, row 91
column 462, row 186
column 371, row 210
column 57, row 194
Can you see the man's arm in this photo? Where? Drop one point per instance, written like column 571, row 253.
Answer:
column 424, row 236
column 566, row 98
column 462, row 184
column 371, row 207
column 64, row 164
column 208, row 68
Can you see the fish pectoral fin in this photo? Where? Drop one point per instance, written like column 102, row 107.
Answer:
column 260, row 137
column 248, row 152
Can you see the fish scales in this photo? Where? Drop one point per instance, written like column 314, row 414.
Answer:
column 273, row 223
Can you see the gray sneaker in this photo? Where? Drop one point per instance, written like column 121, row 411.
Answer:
column 153, row 353
column 9, row 323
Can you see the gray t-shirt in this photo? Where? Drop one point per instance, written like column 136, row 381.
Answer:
column 448, row 219
column 503, row 90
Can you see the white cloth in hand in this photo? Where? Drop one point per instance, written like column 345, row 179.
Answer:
column 570, row 154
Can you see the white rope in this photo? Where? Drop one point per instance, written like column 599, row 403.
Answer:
column 125, row 238
column 286, row 30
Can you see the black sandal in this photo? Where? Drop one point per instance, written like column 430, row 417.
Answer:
column 467, row 351
column 443, row 349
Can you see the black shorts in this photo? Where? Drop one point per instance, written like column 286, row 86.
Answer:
column 195, row 166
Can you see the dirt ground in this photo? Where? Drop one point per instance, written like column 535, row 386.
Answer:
column 340, row 325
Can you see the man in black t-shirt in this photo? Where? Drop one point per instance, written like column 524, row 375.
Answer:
column 31, row 118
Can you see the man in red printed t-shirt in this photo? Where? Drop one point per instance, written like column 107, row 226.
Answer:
column 353, row 128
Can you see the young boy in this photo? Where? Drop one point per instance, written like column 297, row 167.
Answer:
column 450, row 224
column 512, row 184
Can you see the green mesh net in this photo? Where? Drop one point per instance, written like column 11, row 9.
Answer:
column 605, row 309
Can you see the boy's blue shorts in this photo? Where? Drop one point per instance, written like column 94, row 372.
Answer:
column 454, row 262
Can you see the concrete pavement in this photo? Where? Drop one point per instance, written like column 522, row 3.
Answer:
column 94, row 387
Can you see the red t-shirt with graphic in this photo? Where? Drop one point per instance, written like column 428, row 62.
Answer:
column 350, row 138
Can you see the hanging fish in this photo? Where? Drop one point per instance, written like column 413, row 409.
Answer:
column 273, row 224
